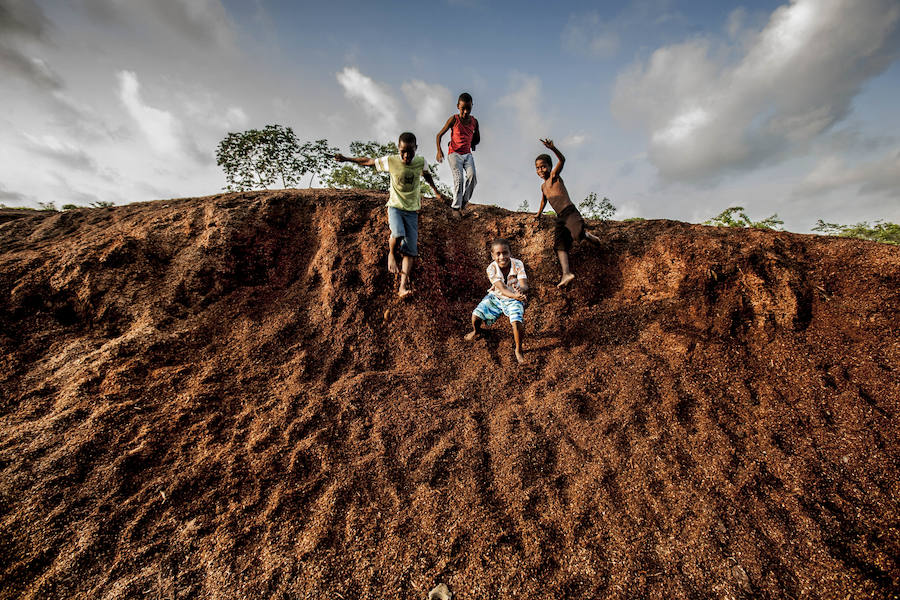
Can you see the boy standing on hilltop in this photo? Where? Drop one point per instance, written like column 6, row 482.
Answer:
column 464, row 136
column 569, row 224
column 506, row 295
column 403, row 204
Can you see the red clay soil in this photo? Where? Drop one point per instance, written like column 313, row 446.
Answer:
column 221, row 398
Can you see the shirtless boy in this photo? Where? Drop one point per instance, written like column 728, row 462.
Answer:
column 569, row 224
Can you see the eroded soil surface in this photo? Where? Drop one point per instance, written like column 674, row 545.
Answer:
column 221, row 398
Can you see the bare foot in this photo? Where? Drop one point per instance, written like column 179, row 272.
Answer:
column 520, row 357
column 404, row 293
column 392, row 263
column 472, row 335
column 566, row 280
column 456, row 214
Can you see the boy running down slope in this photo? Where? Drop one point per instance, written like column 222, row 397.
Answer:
column 403, row 204
column 464, row 136
column 506, row 295
column 569, row 224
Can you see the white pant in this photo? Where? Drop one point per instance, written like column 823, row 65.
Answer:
column 463, row 168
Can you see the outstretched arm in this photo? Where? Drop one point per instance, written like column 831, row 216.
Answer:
column 363, row 161
column 540, row 209
column 560, row 159
column 440, row 134
column 430, row 181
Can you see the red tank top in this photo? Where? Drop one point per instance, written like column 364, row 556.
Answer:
column 461, row 135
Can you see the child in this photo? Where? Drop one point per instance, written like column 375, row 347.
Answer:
column 569, row 224
column 464, row 136
column 506, row 295
column 403, row 203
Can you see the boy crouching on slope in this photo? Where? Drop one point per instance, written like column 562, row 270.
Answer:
column 505, row 297
column 403, row 204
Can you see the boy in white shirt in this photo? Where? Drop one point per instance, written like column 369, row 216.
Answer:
column 505, row 297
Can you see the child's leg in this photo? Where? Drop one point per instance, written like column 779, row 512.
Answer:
column 405, row 272
column 469, row 167
column 591, row 237
column 456, row 169
column 518, row 335
column 476, row 328
column 392, row 255
column 567, row 275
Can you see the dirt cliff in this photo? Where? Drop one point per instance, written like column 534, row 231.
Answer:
column 221, row 397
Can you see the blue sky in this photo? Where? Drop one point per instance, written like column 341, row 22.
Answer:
column 671, row 109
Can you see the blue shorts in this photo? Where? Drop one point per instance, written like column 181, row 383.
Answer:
column 405, row 225
column 492, row 307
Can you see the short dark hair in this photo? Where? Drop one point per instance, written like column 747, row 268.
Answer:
column 464, row 97
column 408, row 137
column 546, row 158
column 499, row 242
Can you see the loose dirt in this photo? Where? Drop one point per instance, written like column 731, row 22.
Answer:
column 221, row 397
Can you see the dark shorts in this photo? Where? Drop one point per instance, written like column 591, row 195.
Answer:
column 569, row 228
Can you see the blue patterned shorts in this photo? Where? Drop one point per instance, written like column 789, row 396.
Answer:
column 491, row 307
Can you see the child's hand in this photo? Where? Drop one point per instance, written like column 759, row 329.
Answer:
column 440, row 155
column 549, row 143
column 340, row 157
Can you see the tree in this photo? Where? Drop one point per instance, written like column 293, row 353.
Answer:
column 318, row 159
column 350, row 175
column 70, row 206
column 887, row 233
column 734, row 216
column 47, row 206
column 597, row 209
column 257, row 158
column 523, row 207
column 102, row 204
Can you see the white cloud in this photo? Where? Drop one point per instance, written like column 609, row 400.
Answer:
column 575, row 139
column 880, row 176
column 62, row 151
column 590, row 35
column 795, row 80
column 163, row 131
column 524, row 101
column 202, row 22
column 374, row 99
column 432, row 102
column 23, row 21
column 7, row 195
column 202, row 107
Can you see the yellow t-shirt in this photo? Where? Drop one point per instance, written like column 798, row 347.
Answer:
column 404, row 180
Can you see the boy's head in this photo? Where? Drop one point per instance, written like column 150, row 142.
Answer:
column 464, row 104
column 543, row 164
column 500, row 251
column 406, row 146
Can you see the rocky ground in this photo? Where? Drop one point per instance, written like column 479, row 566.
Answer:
column 221, row 397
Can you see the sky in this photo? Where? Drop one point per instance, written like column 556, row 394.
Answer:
column 672, row 109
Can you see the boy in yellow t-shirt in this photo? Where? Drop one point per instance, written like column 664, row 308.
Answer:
column 403, row 203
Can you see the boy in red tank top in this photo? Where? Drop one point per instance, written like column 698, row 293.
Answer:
column 464, row 136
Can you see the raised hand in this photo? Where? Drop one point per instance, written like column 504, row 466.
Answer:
column 340, row 157
column 548, row 143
